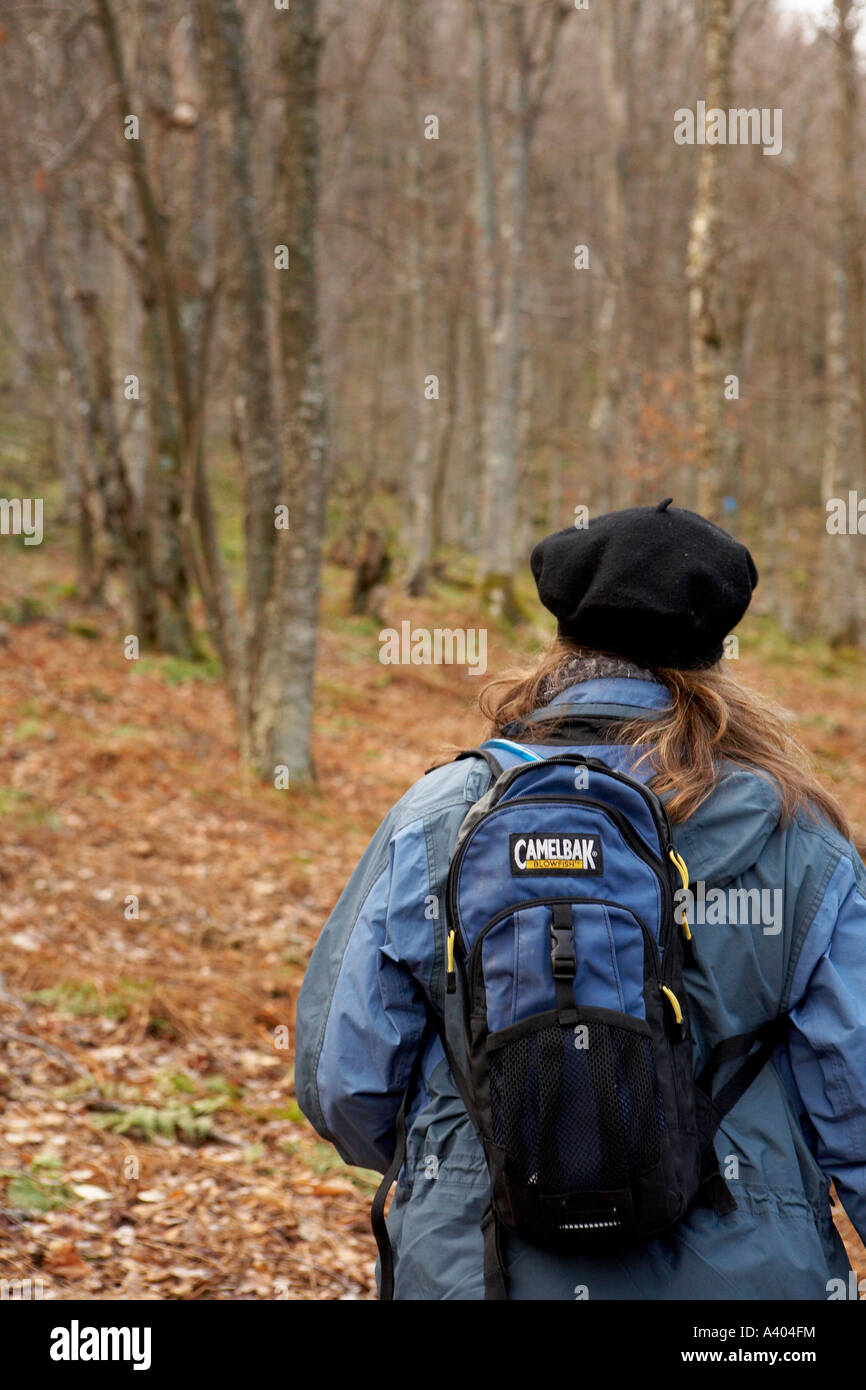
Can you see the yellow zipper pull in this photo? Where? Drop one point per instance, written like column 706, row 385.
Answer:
column 450, row 977
column 684, row 875
column 674, row 1003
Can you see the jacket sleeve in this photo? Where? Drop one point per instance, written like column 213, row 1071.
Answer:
column 361, row 1009
column 827, row 1043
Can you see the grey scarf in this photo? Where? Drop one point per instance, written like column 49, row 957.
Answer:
column 575, row 669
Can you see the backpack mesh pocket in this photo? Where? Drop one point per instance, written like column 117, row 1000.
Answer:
column 575, row 1110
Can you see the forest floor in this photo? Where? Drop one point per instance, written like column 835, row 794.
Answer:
column 150, row 1142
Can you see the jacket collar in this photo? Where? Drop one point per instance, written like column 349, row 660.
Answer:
column 612, row 695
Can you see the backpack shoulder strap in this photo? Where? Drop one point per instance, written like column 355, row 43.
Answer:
column 377, row 1211
column 712, row 1109
column 768, row 1036
column 492, row 762
column 513, row 752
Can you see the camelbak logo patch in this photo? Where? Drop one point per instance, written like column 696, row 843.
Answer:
column 555, row 854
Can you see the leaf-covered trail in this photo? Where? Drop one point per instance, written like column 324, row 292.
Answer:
column 160, row 1152
column 156, row 912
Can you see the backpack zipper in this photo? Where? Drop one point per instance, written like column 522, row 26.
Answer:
column 619, row 819
column 475, row 953
column 660, row 817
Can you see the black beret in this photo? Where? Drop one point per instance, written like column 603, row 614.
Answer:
column 660, row 585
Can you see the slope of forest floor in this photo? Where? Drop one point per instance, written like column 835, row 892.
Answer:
column 150, row 1142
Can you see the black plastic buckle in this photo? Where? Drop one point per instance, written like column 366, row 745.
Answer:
column 562, row 955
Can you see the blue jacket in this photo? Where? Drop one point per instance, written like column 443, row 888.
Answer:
column 381, row 957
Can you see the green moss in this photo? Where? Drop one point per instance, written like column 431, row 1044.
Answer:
column 83, row 999
column 28, row 729
column 36, row 1190
column 179, row 670
column 23, row 808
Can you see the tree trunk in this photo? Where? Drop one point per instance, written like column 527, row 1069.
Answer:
column 77, row 500
column 261, row 453
column 705, row 269
column 610, row 424
column 172, row 558
column 423, row 419
column 129, row 314
column 501, row 273
column 283, row 720
column 125, row 520
column 106, row 496
column 842, row 617
column 454, row 369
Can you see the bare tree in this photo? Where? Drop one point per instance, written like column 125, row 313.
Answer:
column 257, row 431
column 282, row 722
column 155, row 256
column 269, row 656
column 285, row 480
column 168, row 345
column 531, row 51
column 843, row 616
column 609, row 421
column 705, row 266
column 422, row 409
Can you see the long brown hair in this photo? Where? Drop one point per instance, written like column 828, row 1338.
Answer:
column 711, row 717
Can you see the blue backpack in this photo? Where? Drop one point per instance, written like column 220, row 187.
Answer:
column 566, row 1022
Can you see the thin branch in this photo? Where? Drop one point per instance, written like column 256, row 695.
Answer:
column 55, row 1053
column 546, row 62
